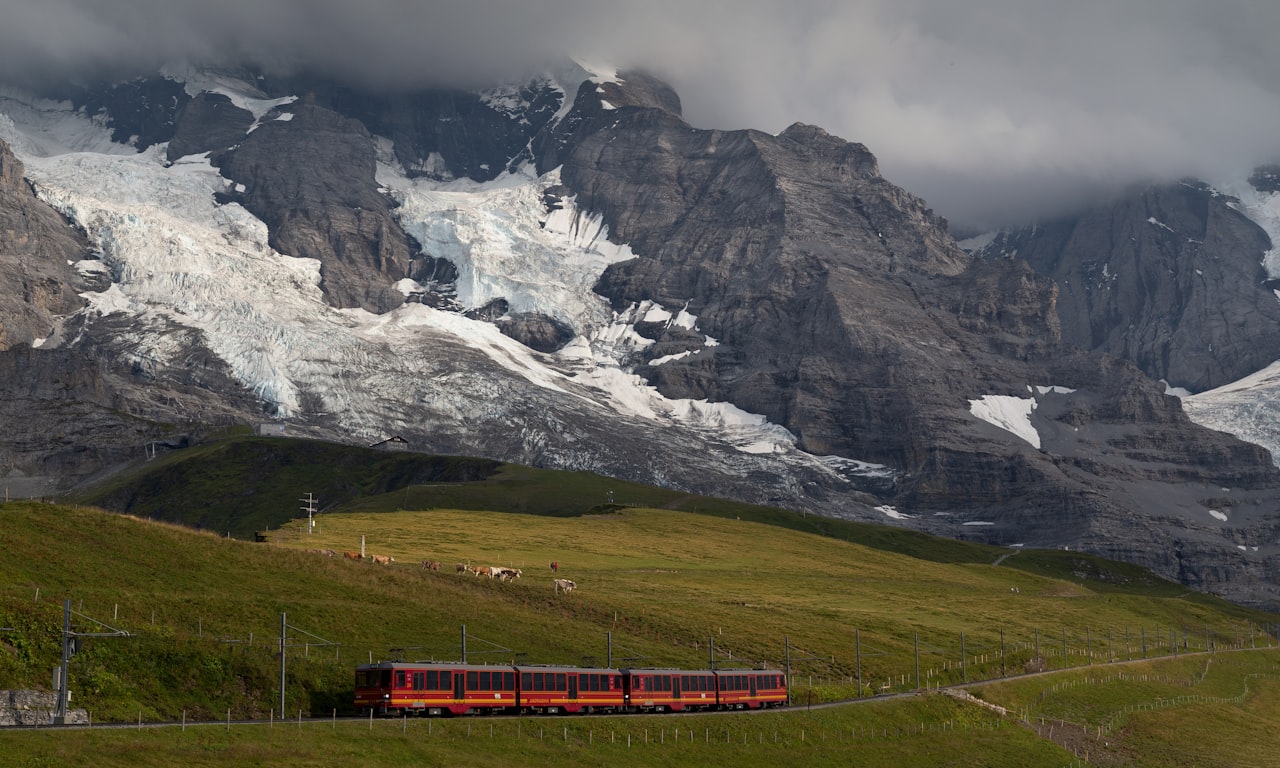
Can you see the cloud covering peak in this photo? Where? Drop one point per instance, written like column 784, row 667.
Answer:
column 992, row 110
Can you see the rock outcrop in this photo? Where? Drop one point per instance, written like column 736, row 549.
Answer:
column 37, row 285
column 311, row 178
column 1170, row 278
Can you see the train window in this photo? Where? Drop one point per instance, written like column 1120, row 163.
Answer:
column 419, row 680
column 400, row 679
column 561, row 683
column 526, row 681
column 595, row 682
column 538, row 681
column 433, row 680
column 508, row 681
column 666, row 682
column 473, row 681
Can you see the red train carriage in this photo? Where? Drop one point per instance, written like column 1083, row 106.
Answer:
column 674, row 690
column 751, row 688
column 570, row 689
column 393, row 688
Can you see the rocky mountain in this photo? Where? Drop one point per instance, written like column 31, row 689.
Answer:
column 565, row 273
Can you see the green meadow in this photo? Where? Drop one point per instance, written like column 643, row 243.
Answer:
column 1139, row 671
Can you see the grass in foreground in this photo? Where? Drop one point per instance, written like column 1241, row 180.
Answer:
column 928, row 731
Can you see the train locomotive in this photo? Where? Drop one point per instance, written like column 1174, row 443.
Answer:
column 397, row 688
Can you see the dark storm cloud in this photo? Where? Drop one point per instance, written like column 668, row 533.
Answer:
column 989, row 109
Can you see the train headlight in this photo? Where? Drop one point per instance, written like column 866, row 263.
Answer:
column 386, row 695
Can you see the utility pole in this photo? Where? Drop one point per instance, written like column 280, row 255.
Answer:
column 787, row 640
column 310, row 508
column 284, row 637
column 284, row 644
column 70, row 646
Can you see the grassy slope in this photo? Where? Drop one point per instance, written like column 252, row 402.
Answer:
column 660, row 581
column 247, row 484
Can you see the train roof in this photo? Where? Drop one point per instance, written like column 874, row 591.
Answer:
column 671, row 670
column 552, row 668
column 400, row 664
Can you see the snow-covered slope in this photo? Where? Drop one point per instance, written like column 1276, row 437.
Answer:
column 177, row 257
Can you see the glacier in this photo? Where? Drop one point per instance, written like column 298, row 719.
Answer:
column 178, row 257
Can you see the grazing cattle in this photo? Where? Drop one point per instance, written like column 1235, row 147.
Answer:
column 483, row 570
column 431, row 565
column 506, row 574
column 564, row 585
column 382, row 560
column 352, row 555
column 462, row 567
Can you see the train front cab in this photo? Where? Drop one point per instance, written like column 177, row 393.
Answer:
column 392, row 689
column 750, row 688
column 570, row 689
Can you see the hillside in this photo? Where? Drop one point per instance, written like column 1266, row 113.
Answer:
column 748, row 585
column 205, row 613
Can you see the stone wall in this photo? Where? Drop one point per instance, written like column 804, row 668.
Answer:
column 34, row 708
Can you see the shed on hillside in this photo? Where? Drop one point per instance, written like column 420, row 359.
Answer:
column 393, row 443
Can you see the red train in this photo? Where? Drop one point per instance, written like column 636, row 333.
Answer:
column 395, row 688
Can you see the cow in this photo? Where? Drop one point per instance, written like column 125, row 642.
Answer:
column 352, row 555
column 483, row 570
column 564, row 585
column 510, row 574
column 382, row 560
column 431, row 565
column 462, row 567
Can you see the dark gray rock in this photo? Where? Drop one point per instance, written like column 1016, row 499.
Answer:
column 37, row 285
column 1170, row 278
column 441, row 133
column 207, row 123
column 141, row 112
column 536, row 331
column 312, row 180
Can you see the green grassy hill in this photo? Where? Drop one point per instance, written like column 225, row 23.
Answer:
column 205, row 613
column 205, row 616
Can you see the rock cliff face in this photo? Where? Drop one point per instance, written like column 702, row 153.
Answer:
column 36, row 247
column 329, row 210
column 827, row 299
column 1170, row 278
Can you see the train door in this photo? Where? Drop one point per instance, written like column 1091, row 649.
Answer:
column 675, row 686
column 573, row 687
column 459, row 685
column 751, row 683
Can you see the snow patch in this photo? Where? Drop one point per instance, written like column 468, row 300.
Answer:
column 1218, row 515
column 892, row 512
column 1012, row 414
column 978, row 522
column 978, row 242
column 1053, row 390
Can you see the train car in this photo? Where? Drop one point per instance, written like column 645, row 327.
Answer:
column 669, row 690
column 394, row 688
column 552, row 690
column 750, row 688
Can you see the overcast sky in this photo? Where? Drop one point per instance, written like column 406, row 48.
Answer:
column 988, row 109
